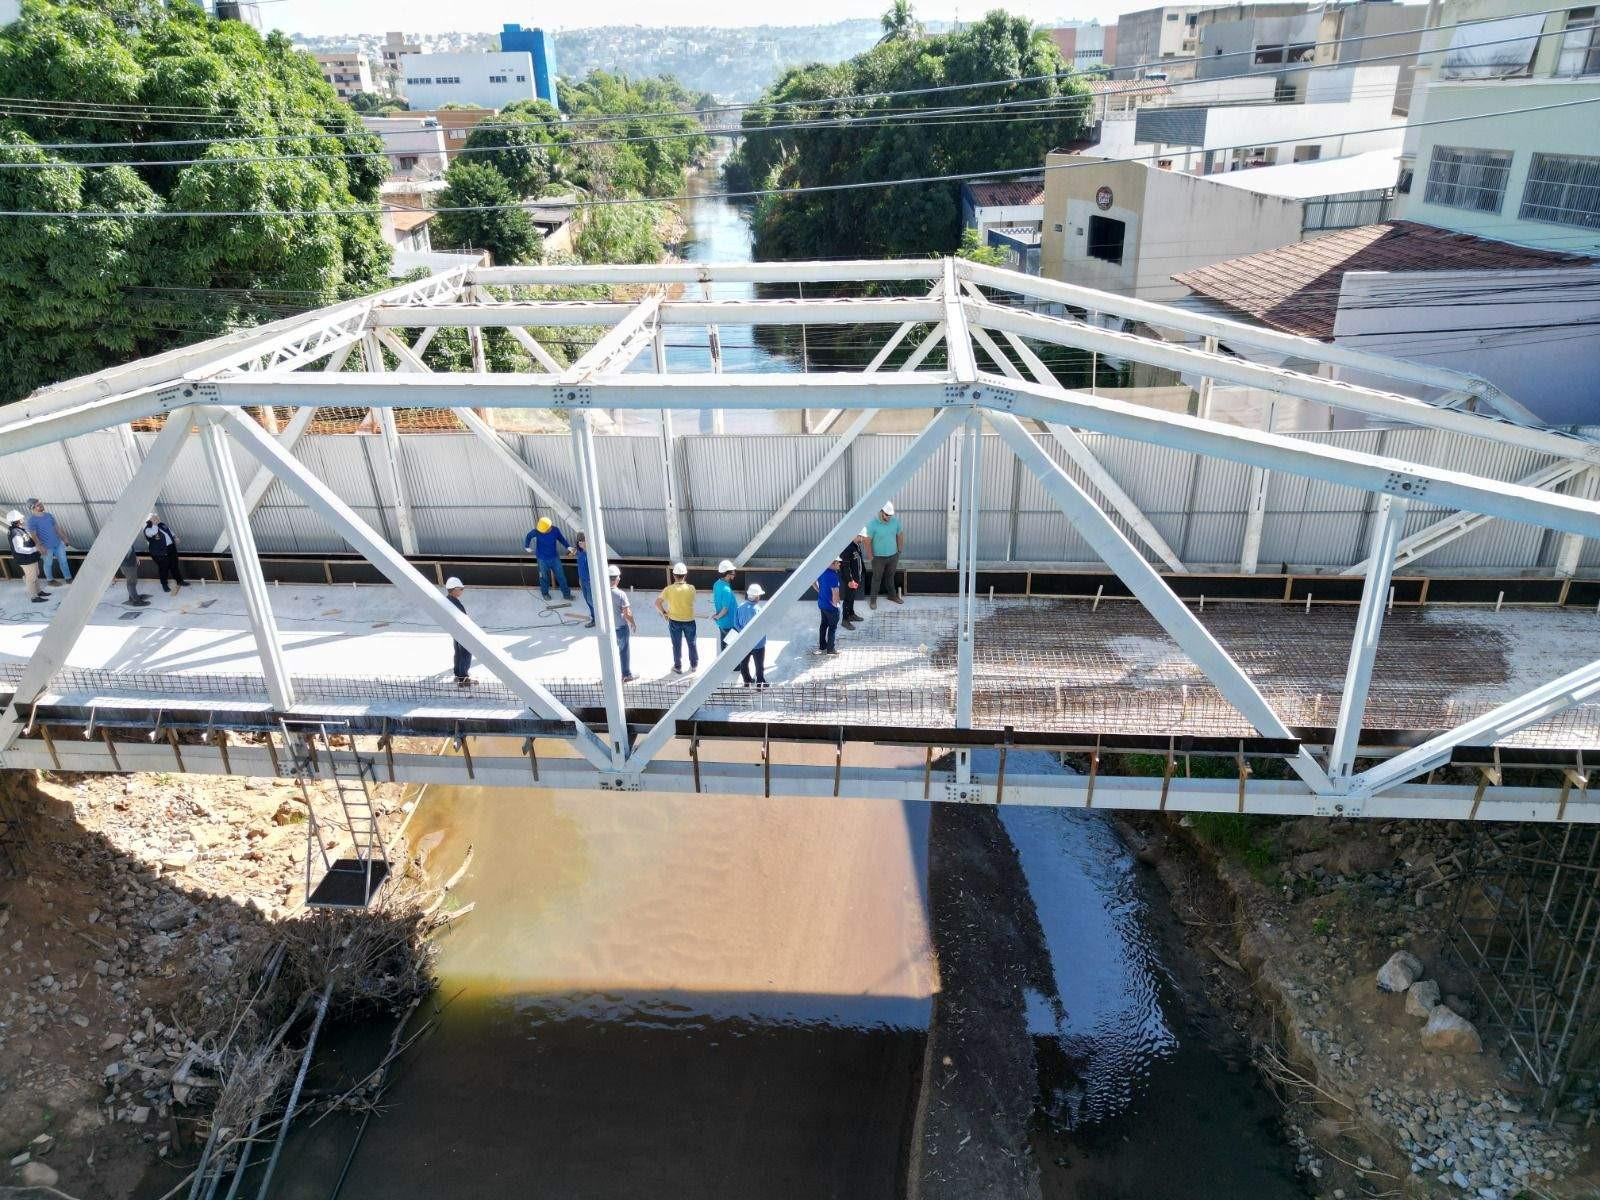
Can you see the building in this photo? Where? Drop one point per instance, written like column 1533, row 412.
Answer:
column 489, row 80
column 414, row 144
column 408, row 231
column 348, row 72
column 457, row 123
column 1336, row 112
column 1127, row 227
column 1333, row 193
column 389, row 73
column 541, row 46
column 239, row 10
column 1085, row 45
column 1422, row 294
column 987, row 204
column 10, row 10
column 1153, row 34
column 1531, row 178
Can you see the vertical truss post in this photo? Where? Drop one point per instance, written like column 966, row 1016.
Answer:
column 121, row 526
column 714, row 345
column 261, row 481
column 1364, row 643
column 1255, row 504
column 669, row 481
column 966, row 612
column 390, row 432
column 1169, row 611
column 605, row 617
column 246, row 562
column 1569, row 550
column 1203, row 399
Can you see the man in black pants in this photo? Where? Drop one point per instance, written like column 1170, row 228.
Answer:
column 462, row 667
column 852, row 574
column 130, row 577
column 163, row 545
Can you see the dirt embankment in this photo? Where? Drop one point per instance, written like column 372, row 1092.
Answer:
column 139, row 897
column 1296, row 917
column 980, row 1079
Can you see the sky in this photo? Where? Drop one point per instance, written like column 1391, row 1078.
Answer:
column 429, row 16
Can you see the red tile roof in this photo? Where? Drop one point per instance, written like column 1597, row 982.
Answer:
column 1296, row 288
column 1006, row 193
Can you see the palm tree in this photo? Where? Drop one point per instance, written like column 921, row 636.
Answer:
column 900, row 24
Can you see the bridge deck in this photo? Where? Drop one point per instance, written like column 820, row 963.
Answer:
column 1040, row 664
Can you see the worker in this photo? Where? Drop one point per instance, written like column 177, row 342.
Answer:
column 724, row 603
column 163, row 546
column 886, row 538
column 129, row 570
column 622, row 611
column 746, row 613
column 25, row 553
column 547, row 542
column 52, row 542
column 852, row 574
column 828, row 605
column 581, row 548
column 676, row 604
column 453, row 588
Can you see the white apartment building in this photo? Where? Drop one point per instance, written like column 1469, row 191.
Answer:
column 1153, row 34
column 389, row 74
column 1531, row 178
column 348, row 72
column 415, row 145
column 491, row 79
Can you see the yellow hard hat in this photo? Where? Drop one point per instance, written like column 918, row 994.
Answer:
column 544, row 524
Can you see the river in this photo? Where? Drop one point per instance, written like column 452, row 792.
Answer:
column 726, row 998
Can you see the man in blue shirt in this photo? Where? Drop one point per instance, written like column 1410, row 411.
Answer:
column 582, row 546
column 52, row 542
column 724, row 604
column 886, row 539
column 547, row 542
column 828, row 606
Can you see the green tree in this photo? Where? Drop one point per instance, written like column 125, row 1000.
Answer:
column 976, row 251
column 519, row 144
column 652, row 161
column 80, row 291
column 372, row 104
column 888, row 143
column 488, row 219
column 620, row 233
column 900, row 23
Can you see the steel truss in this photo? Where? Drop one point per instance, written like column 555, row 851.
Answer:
column 991, row 375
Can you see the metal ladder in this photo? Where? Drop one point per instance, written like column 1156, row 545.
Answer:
column 346, row 882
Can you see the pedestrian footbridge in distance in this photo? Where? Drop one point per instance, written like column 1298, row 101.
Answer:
column 1113, row 600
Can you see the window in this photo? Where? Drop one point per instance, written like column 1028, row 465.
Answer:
column 1497, row 49
column 497, row 79
column 1105, row 238
column 458, row 135
column 1580, row 44
column 1563, row 189
column 1172, row 16
column 1307, row 153
column 1466, row 178
column 522, row 79
column 408, row 162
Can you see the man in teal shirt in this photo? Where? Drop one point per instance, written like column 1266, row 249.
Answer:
column 886, row 539
column 724, row 604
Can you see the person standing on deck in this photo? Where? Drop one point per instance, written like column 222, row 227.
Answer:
column 52, row 542
column 453, row 588
column 622, row 611
column 129, row 570
column 852, row 574
column 581, row 545
column 724, row 603
column 25, row 553
column 163, row 545
column 547, row 542
column 758, row 653
column 676, row 604
column 887, row 539
column 828, row 607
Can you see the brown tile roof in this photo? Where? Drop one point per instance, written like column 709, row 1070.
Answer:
column 405, row 222
column 1007, row 192
column 1115, row 87
column 1296, row 288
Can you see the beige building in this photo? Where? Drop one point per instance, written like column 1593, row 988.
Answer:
column 1126, row 227
column 390, row 77
column 348, row 72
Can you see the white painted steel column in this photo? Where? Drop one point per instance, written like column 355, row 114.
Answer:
column 714, row 344
column 427, row 597
column 605, row 616
column 1364, row 643
column 1555, row 697
column 802, row 577
column 390, row 433
column 669, row 475
column 246, row 562
column 807, row 486
column 261, row 481
column 1170, row 612
column 966, row 616
column 952, row 505
column 1569, row 550
column 1203, row 400
column 97, row 571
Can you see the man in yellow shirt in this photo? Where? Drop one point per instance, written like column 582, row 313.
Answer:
column 676, row 603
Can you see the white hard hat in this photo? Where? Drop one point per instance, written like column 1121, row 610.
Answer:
column 13, row 517
column 888, row 508
column 725, row 566
column 614, row 571
column 863, row 532
column 679, row 569
column 755, row 591
column 452, row 584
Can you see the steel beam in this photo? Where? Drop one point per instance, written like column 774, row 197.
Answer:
column 394, row 461
column 95, row 574
column 1500, row 722
column 261, row 481
column 845, row 311
column 878, row 359
column 1569, row 550
column 802, row 577
column 840, row 271
column 1170, row 612
column 605, row 616
column 1364, row 643
column 807, row 486
column 669, row 459
column 966, row 613
column 246, row 562
column 365, row 540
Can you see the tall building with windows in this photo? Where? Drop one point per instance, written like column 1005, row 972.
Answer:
column 488, row 80
column 389, row 74
column 1530, row 177
column 541, row 47
column 349, row 72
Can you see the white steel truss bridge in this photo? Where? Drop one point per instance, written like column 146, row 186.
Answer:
column 958, row 343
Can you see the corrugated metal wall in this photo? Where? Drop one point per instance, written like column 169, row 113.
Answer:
column 465, row 503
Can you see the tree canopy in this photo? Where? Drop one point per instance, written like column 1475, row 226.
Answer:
column 520, row 144
column 891, row 142
column 80, row 292
column 492, row 222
